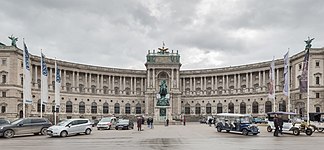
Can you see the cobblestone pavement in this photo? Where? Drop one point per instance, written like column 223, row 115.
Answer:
column 192, row 136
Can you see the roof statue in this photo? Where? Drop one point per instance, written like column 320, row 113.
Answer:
column 308, row 43
column 163, row 50
column 13, row 40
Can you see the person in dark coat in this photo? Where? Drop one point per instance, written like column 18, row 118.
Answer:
column 139, row 123
column 184, row 120
column 277, row 125
column 167, row 122
column 280, row 122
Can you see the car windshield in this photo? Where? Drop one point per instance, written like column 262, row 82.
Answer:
column 105, row 120
column 123, row 121
column 63, row 123
column 245, row 120
column 16, row 121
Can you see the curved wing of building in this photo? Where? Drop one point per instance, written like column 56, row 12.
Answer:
column 94, row 92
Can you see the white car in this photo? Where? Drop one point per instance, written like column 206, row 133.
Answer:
column 70, row 127
column 107, row 123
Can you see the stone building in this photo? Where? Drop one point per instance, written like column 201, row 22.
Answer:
column 93, row 91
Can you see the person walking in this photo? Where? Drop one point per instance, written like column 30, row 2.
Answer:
column 167, row 122
column 151, row 123
column 139, row 123
column 280, row 122
column 276, row 124
column 184, row 120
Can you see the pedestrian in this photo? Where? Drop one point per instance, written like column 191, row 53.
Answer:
column 139, row 123
column 210, row 121
column 167, row 122
column 184, row 120
column 280, row 122
column 151, row 122
column 148, row 122
column 276, row 124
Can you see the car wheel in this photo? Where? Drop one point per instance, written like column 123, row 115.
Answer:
column 219, row 129
column 8, row 134
column 296, row 132
column 88, row 131
column 245, row 132
column 269, row 129
column 309, row 132
column 63, row 134
column 43, row 131
column 320, row 130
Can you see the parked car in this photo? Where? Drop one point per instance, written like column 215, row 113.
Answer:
column 70, row 127
column 202, row 120
column 124, row 124
column 291, row 123
column 107, row 123
column 236, row 123
column 94, row 122
column 25, row 126
column 316, row 121
column 4, row 122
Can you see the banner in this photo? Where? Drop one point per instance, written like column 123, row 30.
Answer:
column 272, row 80
column 286, row 74
column 44, row 84
column 57, row 85
column 303, row 82
column 27, row 96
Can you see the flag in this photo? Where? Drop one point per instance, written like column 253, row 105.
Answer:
column 272, row 80
column 57, row 85
column 44, row 84
column 304, row 76
column 27, row 96
column 286, row 75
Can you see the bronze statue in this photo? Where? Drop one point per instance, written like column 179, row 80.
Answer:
column 308, row 43
column 163, row 96
column 163, row 50
column 13, row 40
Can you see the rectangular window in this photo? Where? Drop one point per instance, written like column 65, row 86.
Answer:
column 3, row 109
column 317, row 95
column 317, row 63
column 4, row 94
column 4, row 78
column 4, row 62
column 317, row 80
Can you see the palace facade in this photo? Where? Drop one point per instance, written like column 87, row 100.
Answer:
column 93, row 91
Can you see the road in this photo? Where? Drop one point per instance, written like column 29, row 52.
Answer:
column 192, row 136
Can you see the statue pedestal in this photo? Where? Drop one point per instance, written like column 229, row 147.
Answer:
column 161, row 113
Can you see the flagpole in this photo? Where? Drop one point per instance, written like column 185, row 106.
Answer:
column 41, row 104
column 308, row 87
column 24, row 77
column 55, row 92
column 274, row 85
column 288, row 82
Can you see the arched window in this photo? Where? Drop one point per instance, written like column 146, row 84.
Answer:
column 282, row 105
column 187, row 109
column 138, row 108
column 93, row 107
column 39, row 106
column 219, row 108
column 81, row 108
column 117, row 108
column 127, row 108
column 268, row 106
column 197, row 109
column 230, row 107
column 105, row 108
column 255, row 107
column 68, row 107
column 208, row 108
column 318, row 109
column 243, row 108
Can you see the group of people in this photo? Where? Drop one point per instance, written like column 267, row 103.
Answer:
column 278, row 123
column 149, row 122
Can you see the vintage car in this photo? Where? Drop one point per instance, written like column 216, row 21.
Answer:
column 291, row 123
column 316, row 121
column 236, row 123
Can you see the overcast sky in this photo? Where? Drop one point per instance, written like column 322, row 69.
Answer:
column 207, row 33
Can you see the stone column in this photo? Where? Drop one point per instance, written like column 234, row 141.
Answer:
column 172, row 78
column 184, row 84
column 135, row 85
column 178, row 81
column 227, row 82
column 235, row 83
column 131, row 84
column 194, row 84
column 205, row 83
column 251, row 80
column 277, row 80
column 190, row 80
column 90, row 82
column 153, row 78
column 223, row 82
column 120, row 85
column 98, row 86
column 64, row 80
column 101, row 84
column 247, row 80
column 259, row 78
column 148, row 77
column 264, row 79
column 86, row 82
column 113, row 84
column 109, row 84
column 124, row 84
column 216, row 83
column 201, row 84
column 212, row 83
column 142, row 86
column 73, row 81
column 50, row 77
column 36, row 83
column 239, row 81
column 77, row 82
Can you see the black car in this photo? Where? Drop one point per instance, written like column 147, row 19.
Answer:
column 25, row 126
column 4, row 122
column 124, row 124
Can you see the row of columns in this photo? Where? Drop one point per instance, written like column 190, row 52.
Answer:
column 225, row 83
column 75, row 80
column 151, row 73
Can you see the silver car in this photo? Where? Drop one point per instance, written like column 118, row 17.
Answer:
column 107, row 123
column 70, row 127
